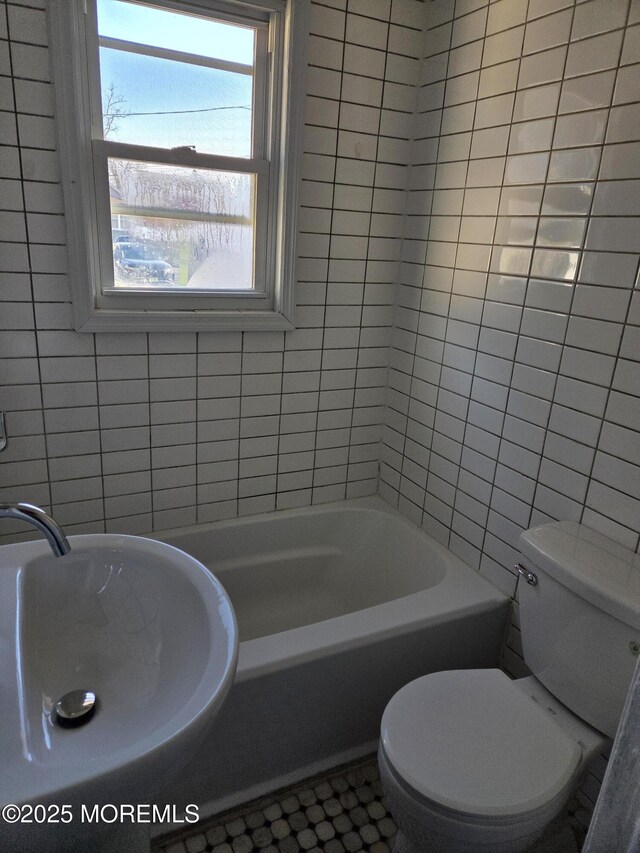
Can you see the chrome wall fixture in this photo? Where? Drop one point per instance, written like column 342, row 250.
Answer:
column 530, row 577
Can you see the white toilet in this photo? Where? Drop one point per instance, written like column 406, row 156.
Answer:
column 472, row 761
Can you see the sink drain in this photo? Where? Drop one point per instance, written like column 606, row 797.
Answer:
column 74, row 709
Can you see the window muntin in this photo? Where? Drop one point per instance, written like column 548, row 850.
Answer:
column 198, row 221
column 188, row 104
column 170, row 79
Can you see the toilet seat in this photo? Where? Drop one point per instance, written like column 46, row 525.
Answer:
column 470, row 744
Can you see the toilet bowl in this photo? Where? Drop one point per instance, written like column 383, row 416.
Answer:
column 459, row 786
column 474, row 761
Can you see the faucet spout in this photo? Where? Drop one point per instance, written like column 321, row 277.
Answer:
column 38, row 518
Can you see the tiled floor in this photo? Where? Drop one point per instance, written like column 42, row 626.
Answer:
column 340, row 812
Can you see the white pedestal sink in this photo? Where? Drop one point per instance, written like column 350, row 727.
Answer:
column 152, row 633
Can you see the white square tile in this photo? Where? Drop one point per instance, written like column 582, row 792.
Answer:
column 365, row 31
column 541, row 68
column 526, row 168
column 520, row 201
column 537, row 102
column 27, row 25
column 457, row 119
column 548, row 32
column 561, row 232
column 541, row 354
column 546, row 325
column 563, row 480
column 617, row 198
column 623, row 409
column 604, row 337
column 555, row 264
column 613, row 234
column 531, row 136
column 582, row 396
column 624, row 123
column 487, row 172
column 627, row 84
column 497, row 79
column 614, row 437
column 490, row 142
column 505, row 14
column 594, row 54
column 613, row 503
column 578, row 129
column 327, row 22
column 631, row 343
column 469, row 28
column 598, row 16
column 587, row 93
column 627, row 377
column 538, row 8
column 620, row 161
column 567, row 199
column 612, row 269
column 461, row 89
column 503, row 46
column 549, row 295
column 464, row 59
column 494, row 111
column 574, row 165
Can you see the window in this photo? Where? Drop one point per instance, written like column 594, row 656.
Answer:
column 180, row 137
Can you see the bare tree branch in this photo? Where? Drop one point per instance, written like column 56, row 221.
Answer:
column 111, row 112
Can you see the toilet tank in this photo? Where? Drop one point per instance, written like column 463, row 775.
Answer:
column 581, row 621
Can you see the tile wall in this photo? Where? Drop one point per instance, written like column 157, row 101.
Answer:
column 483, row 178
column 136, row 432
column 514, row 384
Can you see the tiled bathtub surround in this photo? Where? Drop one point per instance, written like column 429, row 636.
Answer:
column 136, row 432
column 514, row 385
column 501, row 216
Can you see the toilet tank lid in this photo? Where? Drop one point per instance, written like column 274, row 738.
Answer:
column 603, row 572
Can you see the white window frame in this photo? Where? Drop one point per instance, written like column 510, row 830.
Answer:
column 97, row 306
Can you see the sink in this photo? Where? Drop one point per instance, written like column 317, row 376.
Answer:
column 144, row 626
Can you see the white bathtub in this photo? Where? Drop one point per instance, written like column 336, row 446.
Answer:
column 338, row 606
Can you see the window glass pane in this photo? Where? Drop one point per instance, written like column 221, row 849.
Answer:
column 165, row 104
column 175, row 31
column 181, row 228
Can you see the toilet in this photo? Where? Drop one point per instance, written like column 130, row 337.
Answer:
column 471, row 760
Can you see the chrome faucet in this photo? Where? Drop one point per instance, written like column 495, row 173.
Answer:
column 38, row 518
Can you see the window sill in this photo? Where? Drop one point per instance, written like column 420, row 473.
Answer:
column 183, row 321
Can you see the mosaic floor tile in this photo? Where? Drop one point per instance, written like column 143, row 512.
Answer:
column 343, row 811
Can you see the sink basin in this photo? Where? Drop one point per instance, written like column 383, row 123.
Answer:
column 144, row 626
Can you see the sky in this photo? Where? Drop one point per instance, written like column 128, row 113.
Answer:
column 166, row 91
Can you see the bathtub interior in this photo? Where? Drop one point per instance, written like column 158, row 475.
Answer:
column 287, row 570
column 338, row 606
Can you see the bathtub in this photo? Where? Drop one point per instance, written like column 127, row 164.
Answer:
column 338, row 606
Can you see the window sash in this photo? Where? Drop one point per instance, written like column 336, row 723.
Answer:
column 149, row 299
column 261, row 71
column 105, row 294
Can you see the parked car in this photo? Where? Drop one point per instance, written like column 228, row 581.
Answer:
column 136, row 262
